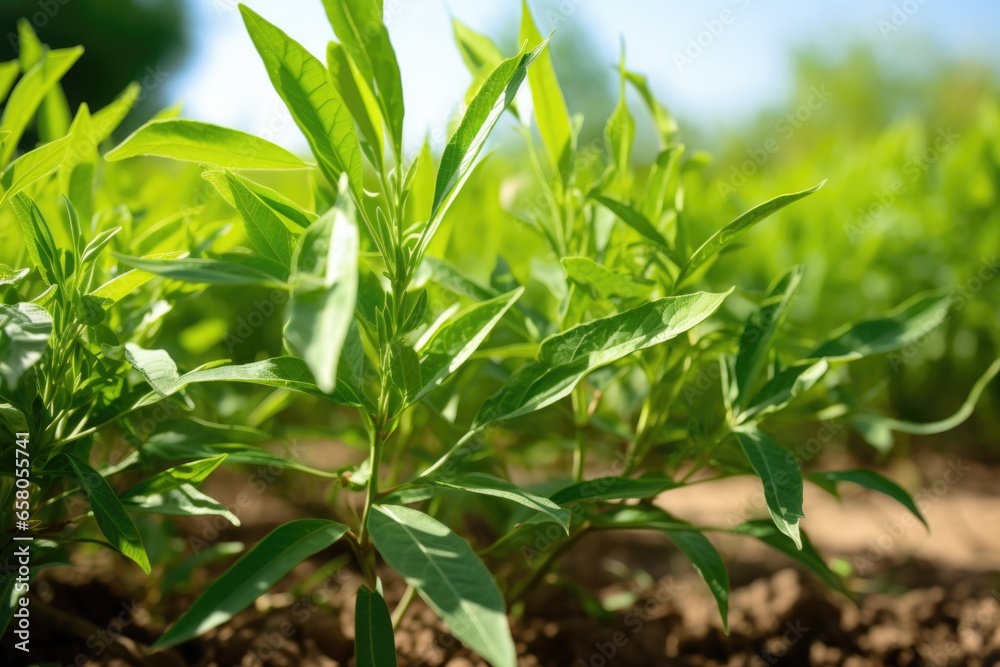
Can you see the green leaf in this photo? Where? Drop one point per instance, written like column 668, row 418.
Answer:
column 488, row 485
column 908, row 323
column 324, row 284
column 784, row 386
column 52, row 119
column 111, row 516
column 287, row 209
column 404, row 369
column 601, row 282
column 156, row 366
column 758, row 333
column 805, row 554
column 301, row 81
column 358, row 24
column 98, row 243
column 874, row 481
column 566, row 358
column 620, row 130
column 359, row 99
column 182, row 500
column 26, row 330
column 374, row 644
column 703, row 555
column 38, row 239
column 107, row 119
column 546, row 96
column 31, row 167
column 728, row 234
column 779, row 473
column 125, row 283
column 603, row 489
column 279, row 372
column 252, row 575
column 633, row 219
column 448, row 575
column 931, row 428
column 9, row 72
column 496, row 94
column 29, row 92
column 173, row 446
column 207, row 271
column 456, row 341
column 11, row 276
column 480, row 54
column 193, row 141
column 665, row 124
column 265, row 230
column 193, row 473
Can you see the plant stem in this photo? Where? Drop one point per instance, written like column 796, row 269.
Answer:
column 404, row 604
column 580, row 421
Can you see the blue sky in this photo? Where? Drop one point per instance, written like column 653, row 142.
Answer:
column 717, row 60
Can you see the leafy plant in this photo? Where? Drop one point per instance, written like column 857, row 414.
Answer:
column 586, row 338
column 76, row 353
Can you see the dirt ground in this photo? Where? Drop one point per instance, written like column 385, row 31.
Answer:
column 924, row 599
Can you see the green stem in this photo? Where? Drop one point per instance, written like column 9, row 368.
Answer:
column 404, row 604
column 580, row 421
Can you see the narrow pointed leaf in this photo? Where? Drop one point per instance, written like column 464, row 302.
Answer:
column 29, row 92
column 728, row 234
column 206, row 271
column 566, row 358
column 302, row 82
column 906, row 324
column 547, row 99
column 603, row 489
column 874, row 481
column 260, row 568
column 456, row 341
column 633, row 219
column 759, row 331
column 806, row 555
column 488, row 485
column 265, row 230
column 359, row 27
column 111, row 516
column 194, row 141
column 279, row 372
column 496, row 94
column 779, row 473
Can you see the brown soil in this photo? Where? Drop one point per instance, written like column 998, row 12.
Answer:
column 926, row 600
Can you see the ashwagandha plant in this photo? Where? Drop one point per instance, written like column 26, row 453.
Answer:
column 614, row 334
column 76, row 330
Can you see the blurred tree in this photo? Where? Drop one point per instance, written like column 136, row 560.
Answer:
column 124, row 40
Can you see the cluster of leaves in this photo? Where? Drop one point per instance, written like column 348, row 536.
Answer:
column 77, row 327
column 601, row 322
column 911, row 206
